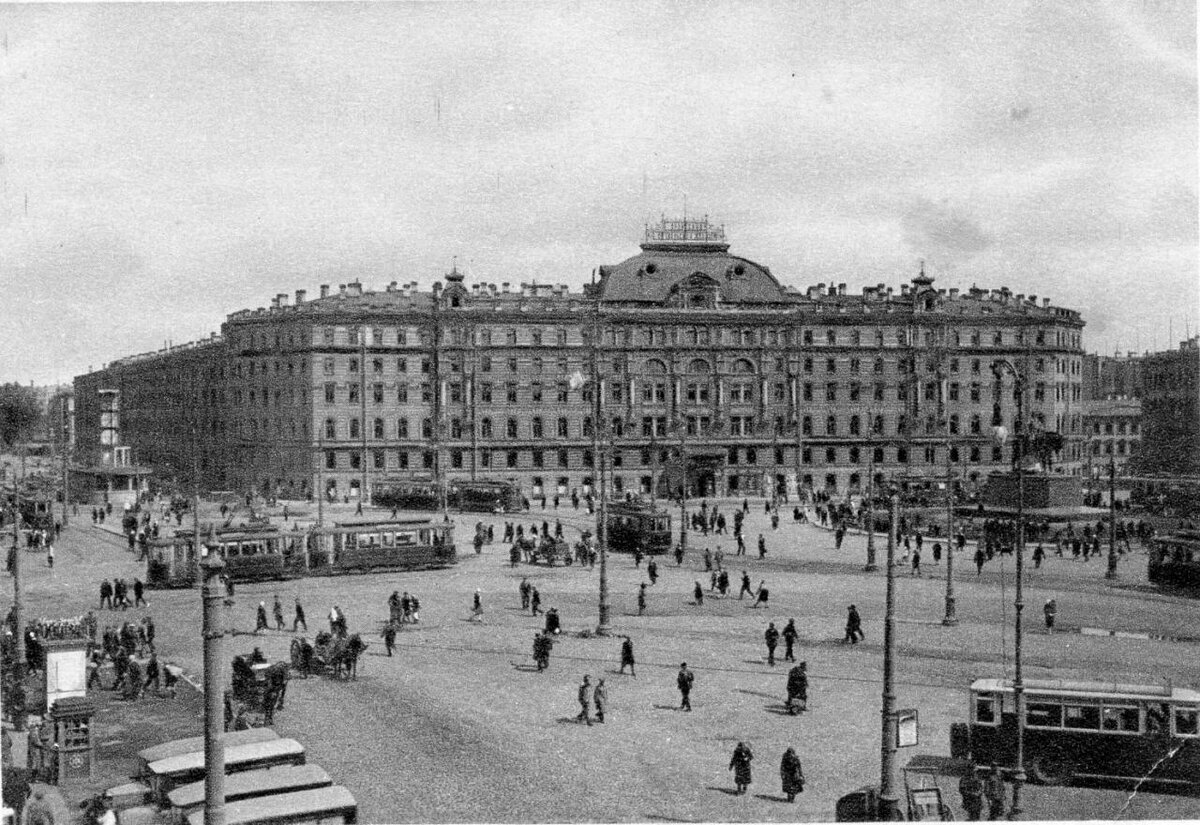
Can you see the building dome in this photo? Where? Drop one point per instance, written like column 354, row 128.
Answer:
column 686, row 262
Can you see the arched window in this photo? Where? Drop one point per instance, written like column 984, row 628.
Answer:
column 699, row 366
column 743, row 366
column 562, row 428
column 655, row 366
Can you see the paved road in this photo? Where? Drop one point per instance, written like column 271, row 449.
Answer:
column 458, row 726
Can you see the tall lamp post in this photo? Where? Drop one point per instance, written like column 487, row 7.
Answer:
column 596, row 381
column 214, row 715
column 871, row 566
column 950, row 619
column 1111, row 573
column 998, row 368
column 889, row 808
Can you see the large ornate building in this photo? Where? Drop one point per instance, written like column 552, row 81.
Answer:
column 710, row 368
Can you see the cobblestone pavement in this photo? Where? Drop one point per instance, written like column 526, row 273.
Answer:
column 458, row 726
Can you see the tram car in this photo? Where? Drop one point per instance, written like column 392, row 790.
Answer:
column 485, row 497
column 391, row 544
column 251, row 553
column 633, row 526
column 408, row 495
column 1175, row 559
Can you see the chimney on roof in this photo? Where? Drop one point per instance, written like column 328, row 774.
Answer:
column 275, row 302
column 841, row 289
column 1033, row 300
column 354, row 289
column 504, row 286
column 1045, row 302
column 300, row 296
column 324, row 290
column 903, row 289
column 953, row 292
column 282, row 299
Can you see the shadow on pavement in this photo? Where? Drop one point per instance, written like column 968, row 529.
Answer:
column 726, row 791
column 770, row 797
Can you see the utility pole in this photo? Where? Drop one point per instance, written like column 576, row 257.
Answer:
column 214, row 713
column 362, row 395
column 320, row 474
column 681, row 425
column 871, row 566
column 64, row 432
column 889, row 809
column 195, row 496
column 951, row 617
column 597, row 384
column 1111, row 573
column 18, row 606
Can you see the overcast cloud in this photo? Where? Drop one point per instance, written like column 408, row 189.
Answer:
column 182, row 162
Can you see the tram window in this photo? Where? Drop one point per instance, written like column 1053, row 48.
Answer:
column 1120, row 720
column 1156, row 718
column 405, row 538
column 1082, row 717
column 388, row 539
column 985, row 710
column 1187, row 722
column 1043, row 715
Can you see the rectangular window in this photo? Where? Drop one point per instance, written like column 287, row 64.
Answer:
column 1187, row 722
column 402, row 394
column 426, row 393
column 985, row 710
column 377, row 393
column 330, row 392
column 1081, row 717
column 377, row 457
column 510, row 392
column 354, row 394
column 1120, row 719
column 536, row 393
column 330, row 366
column 538, row 459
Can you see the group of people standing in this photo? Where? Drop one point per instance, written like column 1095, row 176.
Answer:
column 115, row 594
column 791, row 772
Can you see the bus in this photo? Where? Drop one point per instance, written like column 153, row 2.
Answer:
column 1175, row 559
column 486, row 497
column 1085, row 729
column 388, row 544
column 633, row 526
column 248, row 785
column 195, row 744
column 166, row 775
column 317, row 806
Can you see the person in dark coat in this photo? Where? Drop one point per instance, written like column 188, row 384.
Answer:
column 854, row 632
column 745, row 585
column 789, row 640
column 600, row 700
column 971, row 791
column 684, row 680
column 138, row 593
column 740, row 765
column 106, row 594
column 763, row 596
column 627, row 656
column 299, row 618
column 791, row 774
column 642, row 599
column 797, row 689
column 585, row 700
column 389, row 637
column 772, row 639
column 535, row 602
column 277, row 609
column 652, row 571
column 153, row 673
column 261, row 621
column 993, row 789
column 698, row 593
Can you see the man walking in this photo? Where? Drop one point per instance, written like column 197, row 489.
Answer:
column 789, row 640
column 762, row 546
column 299, row 619
column 854, row 632
column 627, row 657
column 683, row 680
column 261, row 620
column 745, row 586
column 772, row 639
column 585, row 698
column 642, row 599
column 600, row 700
column 277, row 610
column 1051, row 612
column 106, row 594
column 389, row 637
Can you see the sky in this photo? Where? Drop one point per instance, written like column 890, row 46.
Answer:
column 164, row 165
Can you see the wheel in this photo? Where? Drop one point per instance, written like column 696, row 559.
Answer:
column 1051, row 769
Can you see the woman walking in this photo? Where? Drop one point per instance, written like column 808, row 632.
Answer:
column 740, row 765
column 791, row 774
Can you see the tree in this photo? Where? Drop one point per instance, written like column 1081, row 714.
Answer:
column 20, row 414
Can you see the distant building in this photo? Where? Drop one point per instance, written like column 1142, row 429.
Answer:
column 1112, row 434
column 762, row 387
column 1171, row 411
column 1112, row 376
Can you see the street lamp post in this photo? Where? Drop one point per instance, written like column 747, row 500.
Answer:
column 1111, row 573
column 18, row 605
column 1019, row 603
column 214, row 717
column 681, row 426
column 871, row 566
column 598, row 486
column 951, row 617
column 889, row 809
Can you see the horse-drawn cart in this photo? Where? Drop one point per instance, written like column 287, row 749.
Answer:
column 336, row 656
column 259, row 685
column 549, row 551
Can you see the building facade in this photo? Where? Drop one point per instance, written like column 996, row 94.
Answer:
column 1112, row 430
column 1171, row 411
column 711, row 372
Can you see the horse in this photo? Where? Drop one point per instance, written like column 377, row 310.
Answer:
column 275, row 682
column 343, row 655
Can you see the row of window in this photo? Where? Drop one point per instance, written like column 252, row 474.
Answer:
column 515, row 459
column 1130, row 428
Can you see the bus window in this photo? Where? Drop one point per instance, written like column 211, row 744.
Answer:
column 1082, row 717
column 1043, row 715
column 985, row 710
column 1187, row 722
column 1120, row 719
